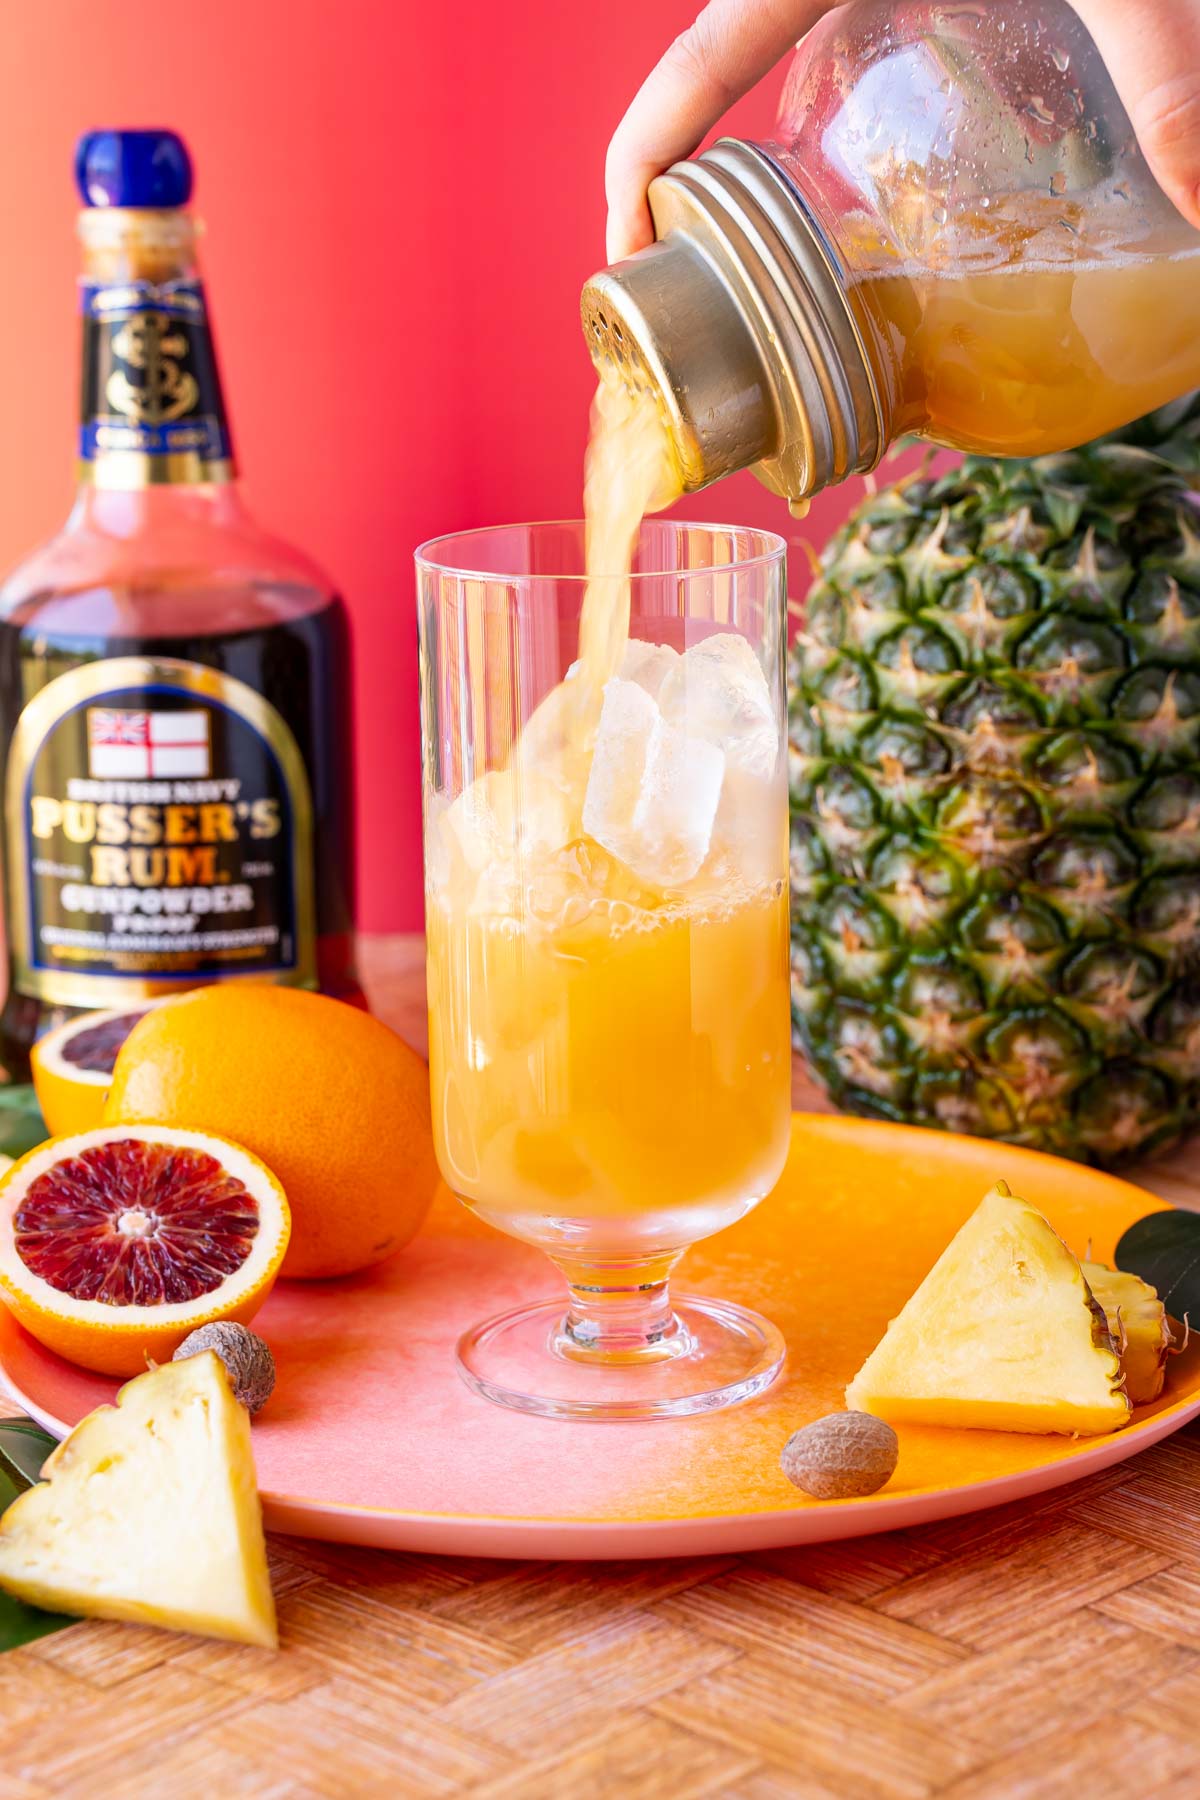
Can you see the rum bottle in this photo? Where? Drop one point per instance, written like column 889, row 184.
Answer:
column 174, row 683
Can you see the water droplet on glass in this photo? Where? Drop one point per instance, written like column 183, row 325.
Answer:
column 1058, row 183
column 940, row 215
column 1061, row 59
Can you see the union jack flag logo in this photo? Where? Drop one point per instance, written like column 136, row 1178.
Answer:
column 118, row 727
column 143, row 745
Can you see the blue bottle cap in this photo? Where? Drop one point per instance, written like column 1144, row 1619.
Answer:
column 133, row 168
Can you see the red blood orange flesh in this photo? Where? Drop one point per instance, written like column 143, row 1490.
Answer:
column 95, row 1047
column 73, row 1065
column 118, row 1242
column 136, row 1224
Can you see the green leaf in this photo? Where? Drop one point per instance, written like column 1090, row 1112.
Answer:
column 24, row 1447
column 21, row 1124
column 1164, row 1249
column 20, row 1624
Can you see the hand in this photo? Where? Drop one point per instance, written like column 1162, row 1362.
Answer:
column 1152, row 48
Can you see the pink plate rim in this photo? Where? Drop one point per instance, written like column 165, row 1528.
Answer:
column 811, row 1522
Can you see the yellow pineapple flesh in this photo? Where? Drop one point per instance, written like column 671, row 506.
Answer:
column 149, row 1512
column 1003, row 1334
column 1137, row 1319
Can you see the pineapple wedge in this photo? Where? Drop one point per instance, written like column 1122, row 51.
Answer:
column 149, row 1512
column 1003, row 1333
column 1137, row 1319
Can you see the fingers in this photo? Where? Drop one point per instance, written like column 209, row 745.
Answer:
column 1152, row 48
column 732, row 44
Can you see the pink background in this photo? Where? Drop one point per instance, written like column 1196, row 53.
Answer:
column 403, row 201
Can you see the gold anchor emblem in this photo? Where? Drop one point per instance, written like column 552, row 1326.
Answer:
column 147, row 342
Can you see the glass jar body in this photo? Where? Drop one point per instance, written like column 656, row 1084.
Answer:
column 1020, row 281
column 953, row 234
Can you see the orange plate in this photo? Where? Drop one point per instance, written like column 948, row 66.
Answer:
column 371, row 1438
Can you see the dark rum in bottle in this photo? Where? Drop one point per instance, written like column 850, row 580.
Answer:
column 174, row 683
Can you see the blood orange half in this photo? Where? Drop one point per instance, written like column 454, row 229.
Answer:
column 116, row 1243
column 73, row 1065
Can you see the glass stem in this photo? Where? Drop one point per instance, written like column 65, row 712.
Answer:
column 619, row 1311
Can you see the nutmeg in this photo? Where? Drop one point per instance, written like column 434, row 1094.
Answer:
column 841, row 1456
column 247, row 1359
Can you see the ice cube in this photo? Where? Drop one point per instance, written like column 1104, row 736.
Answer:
column 648, row 664
column 475, row 827
column 717, row 691
column 546, row 813
column 673, row 819
column 557, row 893
column 627, row 718
column 653, row 791
column 437, row 848
column 497, row 893
column 500, row 823
column 749, row 835
column 553, row 725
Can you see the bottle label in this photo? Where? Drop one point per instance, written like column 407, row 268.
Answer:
column 151, row 405
column 159, row 823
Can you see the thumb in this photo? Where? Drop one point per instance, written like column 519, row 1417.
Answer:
column 719, row 58
column 1153, row 54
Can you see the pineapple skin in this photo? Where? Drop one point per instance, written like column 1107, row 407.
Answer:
column 995, row 781
column 149, row 1513
column 1137, row 1320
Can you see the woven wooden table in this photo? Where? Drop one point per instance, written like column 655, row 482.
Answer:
column 1050, row 1648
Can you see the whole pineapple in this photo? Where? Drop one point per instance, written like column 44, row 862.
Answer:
column 995, row 770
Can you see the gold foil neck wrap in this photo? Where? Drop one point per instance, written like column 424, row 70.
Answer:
column 129, row 469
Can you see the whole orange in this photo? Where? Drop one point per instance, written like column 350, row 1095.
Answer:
column 333, row 1102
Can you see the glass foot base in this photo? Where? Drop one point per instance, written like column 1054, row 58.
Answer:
column 714, row 1355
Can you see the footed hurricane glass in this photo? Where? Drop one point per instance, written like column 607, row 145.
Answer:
column 606, row 850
